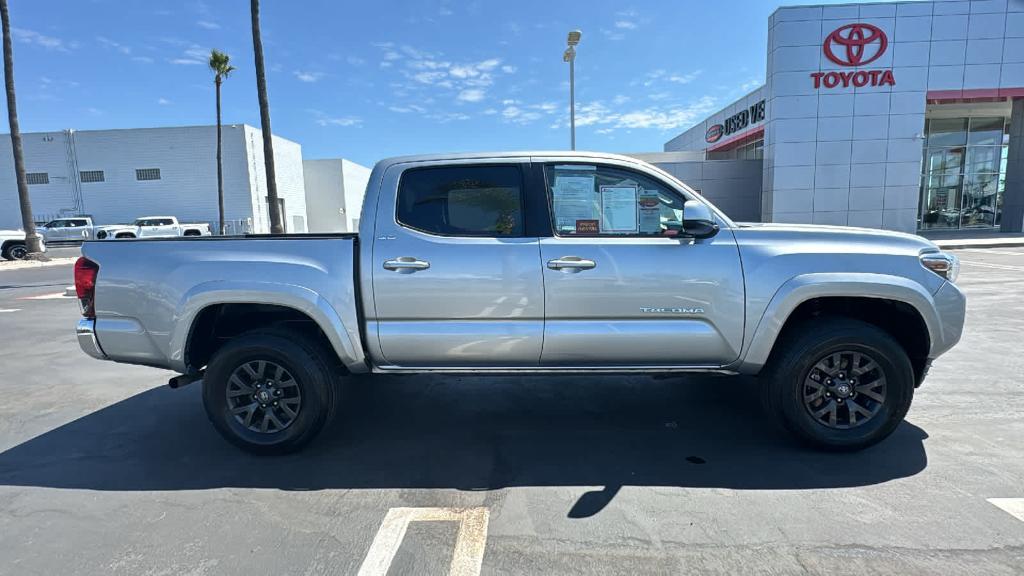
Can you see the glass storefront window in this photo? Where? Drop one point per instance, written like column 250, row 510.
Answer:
column 947, row 132
column 944, row 160
column 964, row 172
column 987, row 131
column 980, row 200
column 984, row 159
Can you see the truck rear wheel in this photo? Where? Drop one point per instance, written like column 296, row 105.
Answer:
column 270, row 391
column 839, row 384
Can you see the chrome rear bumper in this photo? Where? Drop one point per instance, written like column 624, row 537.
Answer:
column 87, row 338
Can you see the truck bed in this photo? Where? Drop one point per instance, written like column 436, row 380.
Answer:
column 149, row 292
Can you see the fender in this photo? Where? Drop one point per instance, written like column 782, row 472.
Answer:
column 343, row 339
column 804, row 287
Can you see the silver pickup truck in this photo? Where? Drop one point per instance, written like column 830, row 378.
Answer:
column 543, row 262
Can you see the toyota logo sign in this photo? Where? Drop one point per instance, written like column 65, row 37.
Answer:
column 855, row 44
column 714, row 133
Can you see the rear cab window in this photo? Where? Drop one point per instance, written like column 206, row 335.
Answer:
column 597, row 200
column 485, row 201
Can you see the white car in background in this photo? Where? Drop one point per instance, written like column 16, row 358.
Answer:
column 152, row 227
column 12, row 244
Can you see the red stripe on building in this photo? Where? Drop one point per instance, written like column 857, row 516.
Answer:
column 972, row 95
column 738, row 140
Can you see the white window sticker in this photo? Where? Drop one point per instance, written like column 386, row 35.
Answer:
column 650, row 211
column 618, row 209
column 575, row 199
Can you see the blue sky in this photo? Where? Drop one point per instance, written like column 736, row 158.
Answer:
column 366, row 80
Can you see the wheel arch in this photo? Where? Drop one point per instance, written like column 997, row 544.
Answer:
column 897, row 305
column 210, row 314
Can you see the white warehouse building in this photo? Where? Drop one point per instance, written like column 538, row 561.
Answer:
column 116, row 176
column 334, row 194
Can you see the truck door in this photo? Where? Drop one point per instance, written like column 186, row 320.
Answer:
column 623, row 287
column 456, row 275
column 56, row 231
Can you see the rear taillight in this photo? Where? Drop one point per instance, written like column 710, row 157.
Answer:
column 85, row 285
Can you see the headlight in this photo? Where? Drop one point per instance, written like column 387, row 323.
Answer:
column 945, row 265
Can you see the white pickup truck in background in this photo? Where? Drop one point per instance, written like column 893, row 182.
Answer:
column 152, row 227
column 12, row 244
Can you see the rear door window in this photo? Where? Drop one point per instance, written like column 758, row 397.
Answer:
column 463, row 200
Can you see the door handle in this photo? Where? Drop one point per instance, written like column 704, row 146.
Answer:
column 573, row 263
column 406, row 264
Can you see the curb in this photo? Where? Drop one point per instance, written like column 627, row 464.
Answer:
column 961, row 244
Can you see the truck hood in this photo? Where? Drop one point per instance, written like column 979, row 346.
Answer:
column 866, row 237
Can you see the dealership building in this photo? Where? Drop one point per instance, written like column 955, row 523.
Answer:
column 116, row 176
column 905, row 116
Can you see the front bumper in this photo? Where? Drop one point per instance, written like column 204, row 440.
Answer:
column 86, row 331
column 951, row 306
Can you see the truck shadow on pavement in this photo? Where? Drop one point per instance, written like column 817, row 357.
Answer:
column 468, row 433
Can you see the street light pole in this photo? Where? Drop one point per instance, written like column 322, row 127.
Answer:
column 570, row 57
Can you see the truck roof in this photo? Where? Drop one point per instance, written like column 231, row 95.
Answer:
column 507, row 154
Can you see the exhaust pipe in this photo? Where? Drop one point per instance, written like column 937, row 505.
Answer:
column 184, row 380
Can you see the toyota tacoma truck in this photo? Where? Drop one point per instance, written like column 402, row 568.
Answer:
column 540, row 263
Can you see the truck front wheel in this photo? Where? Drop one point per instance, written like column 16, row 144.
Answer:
column 270, row 392
column 838, row 383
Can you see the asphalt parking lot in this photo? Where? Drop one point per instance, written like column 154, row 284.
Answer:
column 103, row 469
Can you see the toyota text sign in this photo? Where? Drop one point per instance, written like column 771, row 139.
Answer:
column 854, row 45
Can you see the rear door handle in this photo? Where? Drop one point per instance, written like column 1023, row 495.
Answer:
column 406, row 264
column 571, row 263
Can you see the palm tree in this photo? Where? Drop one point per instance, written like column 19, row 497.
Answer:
column 220, row 63
column 276, row 226
column 32, row 242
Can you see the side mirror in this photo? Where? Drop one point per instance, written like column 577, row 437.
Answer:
column 698, row 221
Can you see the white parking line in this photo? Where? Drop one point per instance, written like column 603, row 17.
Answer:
column 1012, row 506
column 54, row 296
column 469, row 544
column 2, row 310
column 992, row 266
column 991, row 251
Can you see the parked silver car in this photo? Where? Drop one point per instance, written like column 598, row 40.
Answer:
column 544, row 262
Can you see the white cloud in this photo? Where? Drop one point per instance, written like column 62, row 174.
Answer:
column 661, row 76
column 26, row 36
column 308, row 76
column 355, row 60
column 625, row 24
column 662, row 118
column 207, row 24
column 343, row 121
column 620, row 99
column 122, row 48
column 143, row 59
column 444, row 117
column 163, row 101
column 508, row 69
column 750, row 84
column 194, row 55
column 407, row 109
column 471, row 95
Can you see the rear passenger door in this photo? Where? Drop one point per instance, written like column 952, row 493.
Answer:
column 456, row 272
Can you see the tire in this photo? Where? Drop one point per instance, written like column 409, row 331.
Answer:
column 313, row 381
column 807, row 390
column 15, row 251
